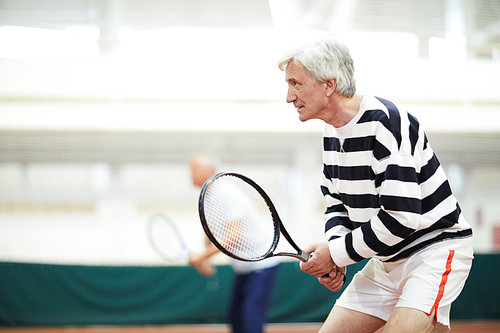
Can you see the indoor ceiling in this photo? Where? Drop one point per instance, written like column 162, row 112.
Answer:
column 477, row 20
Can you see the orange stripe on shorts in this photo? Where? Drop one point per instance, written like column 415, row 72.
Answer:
column 444, row 279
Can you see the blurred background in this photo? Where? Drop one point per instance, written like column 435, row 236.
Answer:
column 102, row 103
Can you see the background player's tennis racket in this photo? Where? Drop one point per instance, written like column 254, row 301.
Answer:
column 240, row 219
column 166, row 239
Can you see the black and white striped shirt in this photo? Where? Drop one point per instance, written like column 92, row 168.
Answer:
column 387, row 194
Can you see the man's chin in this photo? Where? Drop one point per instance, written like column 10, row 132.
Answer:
column 302, row 118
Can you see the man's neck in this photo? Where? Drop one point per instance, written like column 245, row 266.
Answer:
column 343, row 110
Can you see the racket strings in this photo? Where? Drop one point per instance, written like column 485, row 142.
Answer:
column 239, row 218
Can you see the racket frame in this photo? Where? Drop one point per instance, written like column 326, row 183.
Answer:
column 278, row 225
column 166, row 219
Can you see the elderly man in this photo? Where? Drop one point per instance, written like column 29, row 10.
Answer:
column 388, row 199
column 254, row 281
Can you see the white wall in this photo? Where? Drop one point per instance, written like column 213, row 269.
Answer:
column 57, row 212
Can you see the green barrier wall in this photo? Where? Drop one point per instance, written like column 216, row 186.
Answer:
column 59, row 295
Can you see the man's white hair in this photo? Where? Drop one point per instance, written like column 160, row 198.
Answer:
column 324, row 58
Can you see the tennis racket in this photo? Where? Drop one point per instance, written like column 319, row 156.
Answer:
column 241, row 221
column 166, row 239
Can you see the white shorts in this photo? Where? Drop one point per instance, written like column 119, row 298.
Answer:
column 429, row 280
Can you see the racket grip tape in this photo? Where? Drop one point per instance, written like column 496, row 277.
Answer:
column 304, row 256
column 343, row 276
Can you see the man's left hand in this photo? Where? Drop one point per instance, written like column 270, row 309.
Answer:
column 335, row 280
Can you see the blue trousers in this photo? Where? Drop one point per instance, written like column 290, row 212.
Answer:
column 252, row 295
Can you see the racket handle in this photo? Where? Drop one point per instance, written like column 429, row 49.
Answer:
column 306, row 256
column 343, row 276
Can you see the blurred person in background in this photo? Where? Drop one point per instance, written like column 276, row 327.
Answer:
column 388, row 199
column 254, row 281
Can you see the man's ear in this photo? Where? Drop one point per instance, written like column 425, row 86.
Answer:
column 331, row 85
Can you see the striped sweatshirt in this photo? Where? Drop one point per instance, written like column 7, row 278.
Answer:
column 386, row 192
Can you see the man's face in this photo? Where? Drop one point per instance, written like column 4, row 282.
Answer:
column 307, row 96
column 199, row 173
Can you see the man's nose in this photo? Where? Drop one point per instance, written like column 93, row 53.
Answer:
column 290, row 96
